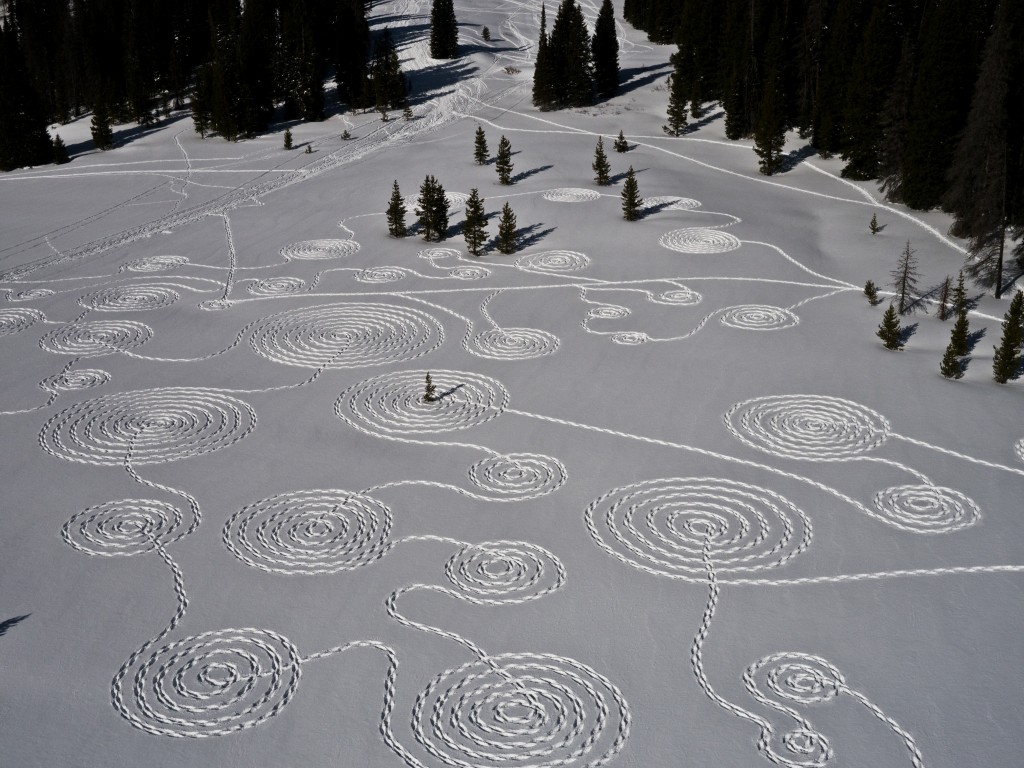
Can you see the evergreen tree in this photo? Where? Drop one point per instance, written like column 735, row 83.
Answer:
column 873, row 224
column 605, row 52
column 960, row 295
column 904, row 279
column 60, row 151
column 429, row 390
column 507, row 232
column 770, row 127
column 544, row 74
column 444, row 31
column 569, row 54
column 480, row 146
column 1006, row 363
column 287, row 138
column 896, row 116
column 621, row 145
column 474, row 230
column 23, row 136
column 396, row 213
column 503, row 161
column 889, row 331
column 353, row 45
column 631, row 200
column 102, row 135
column 871, row 292
column 600, row 165
column 959, row 338
column 676, row 104
column 386, row 86
column 951, row 366
column 432, row 210
column 945, row 294
column 407, row 113
column 485, row 33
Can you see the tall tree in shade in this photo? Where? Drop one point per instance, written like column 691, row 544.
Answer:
column 352, row 46
column 605, row 52
column 444, row 30
column 387, row 87
column 396, row 213
column 544, row 96
column 676, row 102
column 770, row 128
column 23, row 136
column 631, row 200
column 567, row 77
column 474, row 228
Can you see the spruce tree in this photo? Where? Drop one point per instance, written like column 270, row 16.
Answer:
column 23, row 136
column 631, row 200
column 480, row 146
column 605, row 52
column 287, row 138
column 474, row 230
column 503, row 162
column 959, row 337
column 770, row 126
column 396, row 213
column 904, row 279
column 945, row 294
column 444, row 31
column 544, row 74
column 60, row 151
column 871, row 292
column 386, row 87
column 569, row 54
column 485, row 33
column 621, row 145
column 600, row 165
column 889, row 331
column 1006, row 363
column 102, row 135
column 676, row 104
column 507, row 232
column 407, row 113
column 951, row 366
column 425, row 207
column 429, row 390
column 873, row 224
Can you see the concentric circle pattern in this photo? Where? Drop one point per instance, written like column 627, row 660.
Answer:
column 320, row 249
column 18, row 319
column 469, row 273
column 680, row 297
column 554, row 262
column 608, row 312
column 663, row 526
column 126, row 527
column 154, row 264
column 277, row 286
column 214, row 305
column 515, row 343
column 346, row 335
column 926, row 508
column 796, row 677
column 380, row 275
column 630, row 338
column 501, row 572
column 759, row 317
column 518, row 476
column 304, row 532
column 72, row 381
column 130, row 298
column 155, row 425
column 811, row 427
column 209, row 684
column 699, row 240
column 96, row 337
column 439, row 253
column 521, row 709
column 30, row 294
column 391, row 405
column 571, row 195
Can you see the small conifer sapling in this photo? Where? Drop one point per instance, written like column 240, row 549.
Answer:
column 871, row 291
column 507, row 234
column 945, row 294
column 407, row 113
column 480, row 146
column 503, row 161
column 601, row 167
column 904, row 279
column 1006, row 363
column 621, row 145
column 951, row 366
column 631, row 200
column 309, row 149
column 474, row 229
column 60, row 151
column 345, row 135
column 429, row 390
column 287, row 138
column 889, row 331
column 486, row 34
column 873, row 224
column 396, row 213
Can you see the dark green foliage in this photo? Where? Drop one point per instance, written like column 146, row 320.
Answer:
column 429, row 390
column 631, row 200
column 474, row 229
column 407, row 113
column 503, row 161
column 871, row 292
column 485, row 33
column 889, row 331
column 951, row 366
column 676, row 105
column 480, row 146
column 544, row 73
column 959, row 336
column 605, row 52
column 621, row 145
column 309, row 149
column 873, row 224
column 60, row 151
column 564, row 75
column 386, row 87
column 287, row 138
column 432, row 210
column 960, row 296
column 352, row 37
column 444, row 31
column 507, row 232
column 345, row 135
column 1007, row 361
column 99, row 126
column 396, row 213
column 770, row 126
column 945, row 294
column 601, row 166
column 904, row 279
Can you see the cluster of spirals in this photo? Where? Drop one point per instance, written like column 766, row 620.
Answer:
column 277, row 286
column 346, row 335
column 571, row 195
column 518, row 476
column 759, row 317
column 699, row 240
column 670, row 526
column 812, row 427
column 320, row 249
column 497, row 572
column 518, row 709
column 630, row 338
column 127, row 527
column 18, row 319
column 31, row 293
column 154, row 264
column 380, row 275
column 608, row 312
column 554, row 262
column 150, row 426
column 469, row 273
column 392, row 404
column 96, row 337
column 926, row 508
column 304, row 532
column 71, row 381
column 514, row 343
column 130, row 298
column 210, row 684
column 679, row 297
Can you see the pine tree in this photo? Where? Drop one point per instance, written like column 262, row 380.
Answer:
column 507, row 232
column 631, row 200
column 605, row 52
column 309, row 149
column 770, row 126
column 474, row 230
column 407, row 113
column 439, row 212
column 621, row 145
column 951, row 366
column 570, row 76
column 485, row 33
column 386, row 88
column 871, row 292
column 945, row 291
column 873, row 224
column 960, row 295
column 676, row 105
column 60, row 151
column 429, row 390
column 444, row 30
column 904, row 279
column 287, row 138
column 959, row 338
column 425, row 205
column 503, row 162
column 102, row 135
column 1006, row 363
column 480, row 146
column 23, row 136
column 396, row 213
column 889, row 331
column 600, row 165
column 345, row 135
column 544, row 96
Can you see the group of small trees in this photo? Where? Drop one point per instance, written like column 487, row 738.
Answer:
column 571, row 66
column 631, row 200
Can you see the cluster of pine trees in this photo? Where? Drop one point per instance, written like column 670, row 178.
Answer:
column 572, row 67
column 926, row 95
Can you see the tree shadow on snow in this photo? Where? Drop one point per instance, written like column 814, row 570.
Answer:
column 528, row 237
column 450, row 392
column 974, row 337
column 650, row 210
column 616, row 178
column 907, row 331
column 712, row 115
column 632, row 78
column 792, row 159
column 532, row 172
column 9, row 624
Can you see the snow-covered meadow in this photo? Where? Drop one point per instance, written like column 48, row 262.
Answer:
column 675, row 504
